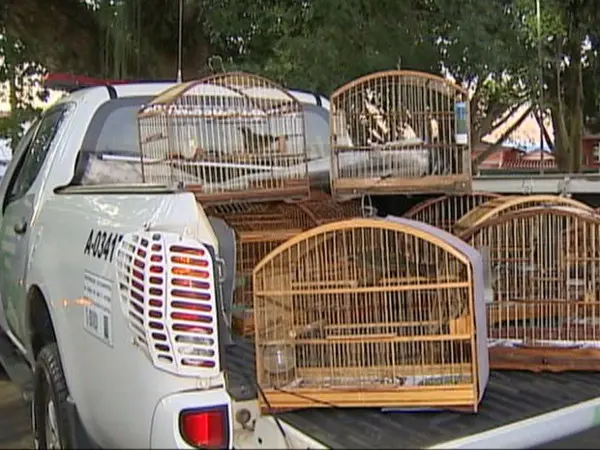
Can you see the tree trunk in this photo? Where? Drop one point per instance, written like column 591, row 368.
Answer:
column 576, row 109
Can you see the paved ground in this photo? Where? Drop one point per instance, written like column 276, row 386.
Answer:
column 14, row 417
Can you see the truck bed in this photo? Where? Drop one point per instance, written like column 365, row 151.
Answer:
column 554, row 400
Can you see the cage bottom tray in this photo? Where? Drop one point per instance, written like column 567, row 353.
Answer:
column 433, row 391
column 428, row 183
column 545, row 355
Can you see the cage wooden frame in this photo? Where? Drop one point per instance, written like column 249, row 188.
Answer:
column 280, row 321
column 509, row 203
column 395, row 157
column 233, row 136
column 546, row 308
column 443, row 212
column 260, row 227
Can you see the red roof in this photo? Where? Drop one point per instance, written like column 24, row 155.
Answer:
column 70, row 82
column 548, row 163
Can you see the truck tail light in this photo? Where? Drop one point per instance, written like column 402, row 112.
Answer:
column 205, row 428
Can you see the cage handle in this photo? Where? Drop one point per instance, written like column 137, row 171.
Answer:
column 367, row 210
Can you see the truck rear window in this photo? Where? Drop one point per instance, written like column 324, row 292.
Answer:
column 110, row 152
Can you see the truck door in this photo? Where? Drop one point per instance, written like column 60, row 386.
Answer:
column 19, row 201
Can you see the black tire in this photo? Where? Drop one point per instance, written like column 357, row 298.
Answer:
column 50, row 387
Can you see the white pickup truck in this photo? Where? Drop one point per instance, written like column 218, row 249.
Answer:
column 118, row 346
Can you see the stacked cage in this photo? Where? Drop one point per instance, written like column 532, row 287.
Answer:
column 443, row 212
column 371, row 312
column 228, row 137
column 546, row 279
column 400, row 132
column 261, row 227
column 506, row 204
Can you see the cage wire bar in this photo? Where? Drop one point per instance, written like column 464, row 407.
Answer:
column 506, row 204
column 444, row 211
column 228, row 137
column 400, row 132
column 546, row 280
column 371, row 312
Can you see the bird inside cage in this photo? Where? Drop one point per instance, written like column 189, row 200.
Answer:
column 257, row 143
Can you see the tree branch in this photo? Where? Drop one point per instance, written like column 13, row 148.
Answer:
column 547, row 137
column 492, row 148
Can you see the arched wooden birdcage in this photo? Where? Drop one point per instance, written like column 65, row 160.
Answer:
column 444, row 211
column 262, row 226
column 507, row 204
column 231, row 136
column 546, row 280
column 400, row 132
column 371, row 312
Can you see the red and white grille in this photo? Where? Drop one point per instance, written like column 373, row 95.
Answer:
column 167, row 291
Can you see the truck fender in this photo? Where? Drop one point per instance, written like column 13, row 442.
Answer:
column 37, row 302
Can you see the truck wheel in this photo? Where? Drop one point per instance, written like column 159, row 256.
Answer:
column 50, row 409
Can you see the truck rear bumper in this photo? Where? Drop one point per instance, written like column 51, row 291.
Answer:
column 165, row 431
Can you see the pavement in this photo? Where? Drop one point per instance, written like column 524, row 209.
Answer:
column 15, row 425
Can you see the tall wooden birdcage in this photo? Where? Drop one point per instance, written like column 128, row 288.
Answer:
column 371, row 312
column 400, row 132
column 546, row 281
column 261, row 227
column 444, row 211
column 506, row 204
column 227, row 137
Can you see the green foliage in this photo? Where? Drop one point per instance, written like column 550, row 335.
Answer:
column 21, row 76
column 490, row 46
column 320, row 45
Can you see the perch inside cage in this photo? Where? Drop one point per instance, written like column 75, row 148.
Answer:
column 261, row 227
column 371, row 312
column 232, row 136
column 546, row 281
column 506, row 204
column 400, row 132
column 444, row 211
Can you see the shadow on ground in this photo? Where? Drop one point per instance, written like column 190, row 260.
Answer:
column 15, row 426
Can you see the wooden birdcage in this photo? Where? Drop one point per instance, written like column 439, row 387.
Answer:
column 322, row 208
column 444, row 211
column 371, row 312
column 261, row 227
column 400, row 132
column 546, row 280
column 231, row 136
column 510, row 203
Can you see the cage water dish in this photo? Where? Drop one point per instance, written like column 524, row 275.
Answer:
column 371, row 312
column 546, row 281
column 444, row 211
column 400, row 132
column 507, row 204
column 232, row 136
